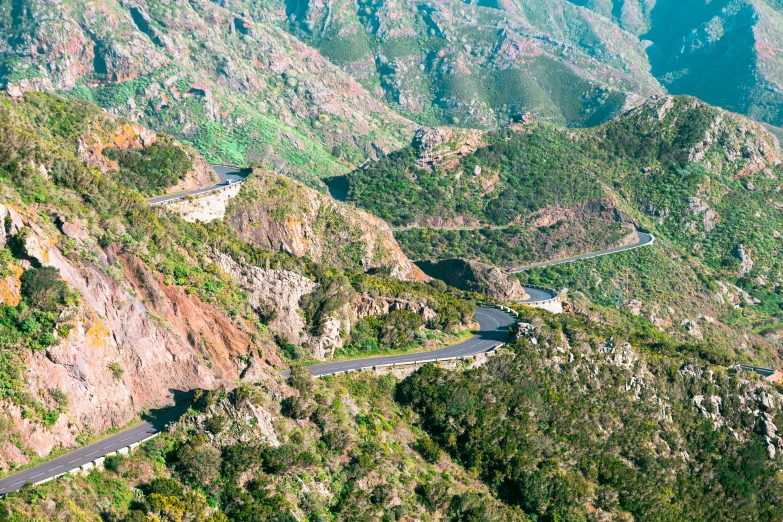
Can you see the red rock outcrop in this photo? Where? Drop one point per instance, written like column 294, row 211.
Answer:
column 134, row 342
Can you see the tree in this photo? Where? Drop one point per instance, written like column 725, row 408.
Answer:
column 200, row 463
column 43, row 288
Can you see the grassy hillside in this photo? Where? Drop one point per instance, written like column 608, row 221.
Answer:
column 478, row 65
column 705, row 182
column 228, row 83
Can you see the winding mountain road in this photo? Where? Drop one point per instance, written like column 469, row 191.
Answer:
column 228, row 175
column 494, row 330
column 643, row 239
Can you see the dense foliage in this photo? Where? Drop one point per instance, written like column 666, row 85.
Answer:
column 533, row 169
column 357, row 460
column 572, row 423
column 153, row 168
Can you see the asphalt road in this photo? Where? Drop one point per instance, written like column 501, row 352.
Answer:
column 536, row 295
column 225, row 173
column 494, row 329
column 87, row 454
column 765, row 372
column 644, row 239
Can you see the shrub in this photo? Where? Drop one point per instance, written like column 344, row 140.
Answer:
column 116, row 369
column 428, row 449
column 166, row 487
column 217, row 423
column 302, row 380
column 43, row 288
column 60, row 397
column 200, row 463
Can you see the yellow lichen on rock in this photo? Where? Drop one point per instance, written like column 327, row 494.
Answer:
column 11, row 287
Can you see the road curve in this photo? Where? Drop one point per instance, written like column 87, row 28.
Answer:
column 644, row 239
column 87, row 454
column 494, row 329
column 224, row 172
column 764, row 372
column 536, row 295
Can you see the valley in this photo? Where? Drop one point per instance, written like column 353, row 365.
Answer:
column 496, row 261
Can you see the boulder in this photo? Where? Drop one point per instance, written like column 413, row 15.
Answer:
column 474, row 276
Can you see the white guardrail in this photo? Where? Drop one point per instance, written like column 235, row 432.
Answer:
column 489, row 353
column 98, row 462
column 186, row 195
column 552, row 291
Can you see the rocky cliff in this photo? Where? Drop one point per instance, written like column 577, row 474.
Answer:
column 131, row 343
column 474, row 276
column 280, row 214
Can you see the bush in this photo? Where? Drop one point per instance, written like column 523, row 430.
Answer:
column 166, row 487
column 43, row 288
column 302, row 380
column 200, row 463
column 428, row 449
column 116, row 369
column 217, row 423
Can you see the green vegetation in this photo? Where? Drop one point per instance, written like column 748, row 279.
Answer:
column 151, row 169
column 535, row 170
column 228, row 470
column 560, row 432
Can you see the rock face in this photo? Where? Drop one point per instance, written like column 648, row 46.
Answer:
column 277, row 213
column 602, row 208
column 475, row 277
column 367, row 306
column 207, row 207
column 276, row 293
column 181, row 65
column 134, row 341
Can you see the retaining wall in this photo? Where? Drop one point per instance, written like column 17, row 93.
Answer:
column 98, row 462
column 420, row 362
column 205, row 207
column 554, row 305
column 216, row 190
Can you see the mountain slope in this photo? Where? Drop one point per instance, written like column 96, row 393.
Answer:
column 238, row 90
column 705, row 182
column 110, row 306
column 725, row 53
column 474, row 65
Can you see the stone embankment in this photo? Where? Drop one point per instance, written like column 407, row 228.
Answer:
column 204, row 207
